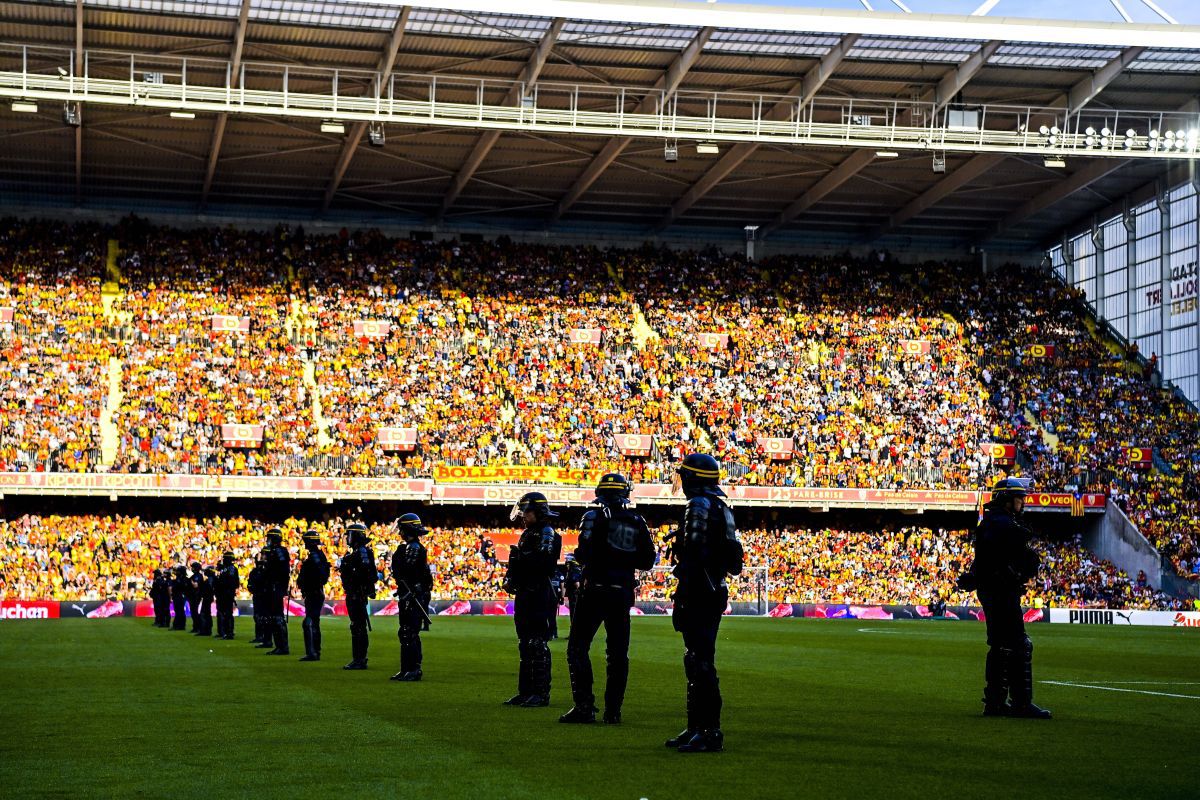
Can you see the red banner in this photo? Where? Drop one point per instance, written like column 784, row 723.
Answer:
column 6, row 315
column 372, row 328
column 915, row 347
column 250, row 436
column 1139, row 457
column 777, row 449
column 228, row 322
column 713, row 341
column 397, row 439
column 634, row 444
column 1040, row 351
column 585, row 336
column 1003, row 454
column 28, row 609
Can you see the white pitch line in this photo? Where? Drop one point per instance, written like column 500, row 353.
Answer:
column 1155, row 683
column 1114, row 689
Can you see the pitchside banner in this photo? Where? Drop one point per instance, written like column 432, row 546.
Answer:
column 502, row 473
column 1105, row 616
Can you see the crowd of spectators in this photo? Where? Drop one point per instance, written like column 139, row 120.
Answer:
column 54, row 351
column 185, row 378
column 695, row 350
column 80, row 557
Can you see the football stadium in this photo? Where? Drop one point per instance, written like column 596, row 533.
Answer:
column 811, row 387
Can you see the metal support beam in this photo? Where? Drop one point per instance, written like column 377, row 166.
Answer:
column 664, row 87
column 79, row 122
column 843, row 172
column 957, row 79
column 1086, row 90
column 1060, row 191
column 485, row 143
column 235, row 69
column 807, row 89
column 939, row 191
column 350, row 145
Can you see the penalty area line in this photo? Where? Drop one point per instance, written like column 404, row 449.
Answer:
column 1115, row 689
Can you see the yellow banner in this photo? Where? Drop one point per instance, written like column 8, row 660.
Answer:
column 443, row 473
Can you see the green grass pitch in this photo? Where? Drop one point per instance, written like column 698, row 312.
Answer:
column 116, row 708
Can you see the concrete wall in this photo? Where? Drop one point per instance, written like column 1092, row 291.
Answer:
column 1116, row 539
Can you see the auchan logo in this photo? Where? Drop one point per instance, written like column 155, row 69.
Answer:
column 37, row 609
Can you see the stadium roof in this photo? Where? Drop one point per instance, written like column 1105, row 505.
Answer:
column 143, row 157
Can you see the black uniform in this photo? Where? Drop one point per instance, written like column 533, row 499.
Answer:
column 160, row 596
column 531, row 564
column 572, row 574
column 277, row 575
column 181, row 598
column 226, row 587
column 410, row 570
column 205, row 594
column 1004, row 563
column 314, row 574
column 705, row 549
column 613, row 542
column 358, row 579
column 256, row 584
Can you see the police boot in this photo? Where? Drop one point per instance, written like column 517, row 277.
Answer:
column 539, row 676
column 309, row 653
column 258, row 632
column 614, row 690
column 410, row 660
column 706, row 741
column 281, row 640
column 266, row 639
column 579, row 714
column 524, row 679
column 358, row 651
column 579, row 668
column 1020, row 677
column 995, row 675
column 693, row 715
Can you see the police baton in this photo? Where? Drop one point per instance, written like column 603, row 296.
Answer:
column 413, row 595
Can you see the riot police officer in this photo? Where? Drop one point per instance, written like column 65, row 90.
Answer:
column 160, row 596
column 202, row 601
column 277, row 567
column 256, row 583
column 181, row 598
column 410, row 570
column 1004, row 563
column 226, row 586
column 572, row 574
column 208, row 596
column 314, row 574
column 358, row 579
column 613, row 542
column 531, row 563
column 705, row 549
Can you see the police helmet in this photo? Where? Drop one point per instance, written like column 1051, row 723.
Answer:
column 1006, row 488
column 613, row 487
column 195, row 566
column 410, row 525
column 275, row 535
column 535, row 502
column 699, row 470
column 227, row 556
column 357, row 532
column 311, row 539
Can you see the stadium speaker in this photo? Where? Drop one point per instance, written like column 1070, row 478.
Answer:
column 670, row 152
column 939, row 163
column 375, row 136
